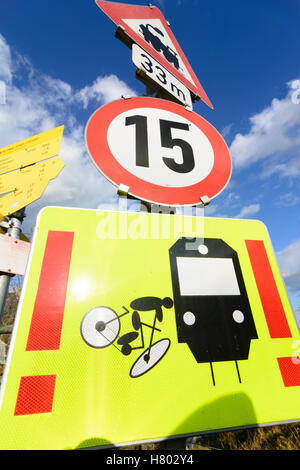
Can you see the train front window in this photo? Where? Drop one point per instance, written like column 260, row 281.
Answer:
column 207, row 276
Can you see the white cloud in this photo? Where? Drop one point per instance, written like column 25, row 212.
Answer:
column 248, row 210
column 41, row 103
column 232, row 200
column 274, row 138
column 103, row 90
column 295, row 85
column 5, row 62
column 287, row 200
column 226, row 130
column 288, row 260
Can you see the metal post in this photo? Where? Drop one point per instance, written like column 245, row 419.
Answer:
column 156, row 208
column 13, row 226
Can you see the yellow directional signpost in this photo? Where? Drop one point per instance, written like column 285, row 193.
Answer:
column 135, row 327
column 28, row 184
column 28, row 151
column 26, row 169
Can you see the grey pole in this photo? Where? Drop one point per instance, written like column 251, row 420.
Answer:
column 13, row 226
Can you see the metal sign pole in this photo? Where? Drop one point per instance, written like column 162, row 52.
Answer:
column 13, row 226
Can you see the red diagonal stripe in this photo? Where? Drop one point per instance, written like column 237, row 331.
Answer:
column 266, row 285
column 48, row 312
column 35, row 394
column 290, row 370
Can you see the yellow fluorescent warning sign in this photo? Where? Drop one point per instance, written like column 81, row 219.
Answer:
column 134, row 327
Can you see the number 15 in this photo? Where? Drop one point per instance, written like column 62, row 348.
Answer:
column 141, row 140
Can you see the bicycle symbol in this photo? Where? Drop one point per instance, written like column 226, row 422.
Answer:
column 100, row 328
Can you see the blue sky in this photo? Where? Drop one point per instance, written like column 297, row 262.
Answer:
column 60, row 61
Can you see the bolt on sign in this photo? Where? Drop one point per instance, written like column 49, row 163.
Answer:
column 156, row 326
column 26, row 169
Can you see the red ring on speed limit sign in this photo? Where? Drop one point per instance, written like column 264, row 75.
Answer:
column 99, row 148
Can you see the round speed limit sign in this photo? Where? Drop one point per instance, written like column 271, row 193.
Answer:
column 164, row 153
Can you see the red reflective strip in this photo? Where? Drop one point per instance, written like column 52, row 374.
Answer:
column 290, row 370
column 47, row 317
column 35, row 394
column 269, row 295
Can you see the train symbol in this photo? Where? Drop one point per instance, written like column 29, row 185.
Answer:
column 213, row 314
column 153, row 36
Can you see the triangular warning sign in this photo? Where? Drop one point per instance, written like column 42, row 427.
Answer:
column 147, row 27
